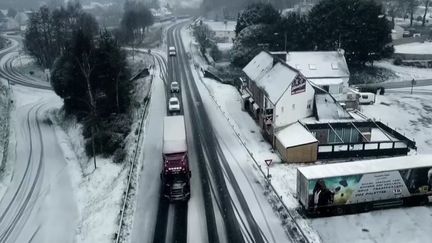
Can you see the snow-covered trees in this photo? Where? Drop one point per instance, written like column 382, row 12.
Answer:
column 136, row 18
column 257, row 13
column 92, row 78
column 357, row 26
column 49, row 31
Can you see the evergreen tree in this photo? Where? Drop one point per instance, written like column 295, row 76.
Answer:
column 357, row 26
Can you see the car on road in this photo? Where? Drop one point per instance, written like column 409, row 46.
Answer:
column 172, row 51
column 173, row 104
column 175, row 87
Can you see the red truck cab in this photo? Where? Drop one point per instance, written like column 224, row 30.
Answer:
column 175, row 173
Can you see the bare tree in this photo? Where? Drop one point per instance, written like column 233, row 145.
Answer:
column 86, row 69
column 412, row 6
column 426, row 2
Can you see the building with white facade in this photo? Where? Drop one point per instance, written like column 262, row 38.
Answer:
column 326, row 69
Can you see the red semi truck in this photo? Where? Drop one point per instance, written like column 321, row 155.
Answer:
column 175, row 173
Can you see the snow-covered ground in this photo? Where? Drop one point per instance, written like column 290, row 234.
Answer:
column 414, row 114
column 28, row 66
column 403, row 72
column 414, row 48
column 181, row 3
column 41, row 170
column 98, row 201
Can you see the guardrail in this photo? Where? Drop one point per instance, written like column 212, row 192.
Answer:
column 133, row 166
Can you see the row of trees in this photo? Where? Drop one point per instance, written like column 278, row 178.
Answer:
column 134, row 23
column 49, row 31
column 88, row 70
column 406, row 8
column 357, row 26
column 93, row 79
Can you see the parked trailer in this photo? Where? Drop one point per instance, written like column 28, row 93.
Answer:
column 352, row 187
column 175, row 173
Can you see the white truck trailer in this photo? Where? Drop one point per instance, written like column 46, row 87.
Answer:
column 351, row 187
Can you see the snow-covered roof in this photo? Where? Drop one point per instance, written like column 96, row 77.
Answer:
column 225, row 46
column 276, row 81
column 326, row 81
column 174, row 135
column 414, row 48
column 259, row 66
column 365, row 166
column 329, row 109
column 319, row 64
column 221, row 26
column 295, row 135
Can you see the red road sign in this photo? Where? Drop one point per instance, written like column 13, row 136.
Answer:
column 268, row 162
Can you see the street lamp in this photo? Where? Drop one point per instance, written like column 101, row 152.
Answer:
column 93, row 116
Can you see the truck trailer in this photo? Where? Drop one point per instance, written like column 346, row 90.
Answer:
column 175, row 173
column 360, row 186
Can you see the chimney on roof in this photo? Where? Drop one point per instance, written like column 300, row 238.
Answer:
column 282, row 55
column 341, row 51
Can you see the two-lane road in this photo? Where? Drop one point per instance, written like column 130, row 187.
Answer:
column 39, row 205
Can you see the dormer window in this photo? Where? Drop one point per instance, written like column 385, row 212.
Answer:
column 335, row 66
column 312, row 67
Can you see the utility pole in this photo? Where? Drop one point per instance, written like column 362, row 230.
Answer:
column 413, row 82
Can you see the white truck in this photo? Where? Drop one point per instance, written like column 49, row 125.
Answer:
column 175, row 173
column 351, row 187
column 172, row 51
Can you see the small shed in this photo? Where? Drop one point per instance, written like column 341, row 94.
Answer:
column 296, row 144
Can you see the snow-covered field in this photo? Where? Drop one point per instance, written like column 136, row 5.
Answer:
column 409, row 114
column 26, row 65
column 181, row 3
column 403, row 72
column 414, row 48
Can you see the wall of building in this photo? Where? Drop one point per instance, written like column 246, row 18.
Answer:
column 300, row 154
column 292, row 107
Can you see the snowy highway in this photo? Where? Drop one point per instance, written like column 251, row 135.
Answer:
column 40, row 192
column 227, row 204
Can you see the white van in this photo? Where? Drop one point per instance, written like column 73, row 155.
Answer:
column 366, row 98
column 171, row 51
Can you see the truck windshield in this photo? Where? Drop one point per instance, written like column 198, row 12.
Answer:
column 176, row 177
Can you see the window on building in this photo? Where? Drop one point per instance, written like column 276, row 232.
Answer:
column 312, row 67
column 309, row 104
column 335, row 66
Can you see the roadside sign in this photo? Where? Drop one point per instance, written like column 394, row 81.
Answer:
column 268, row 162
